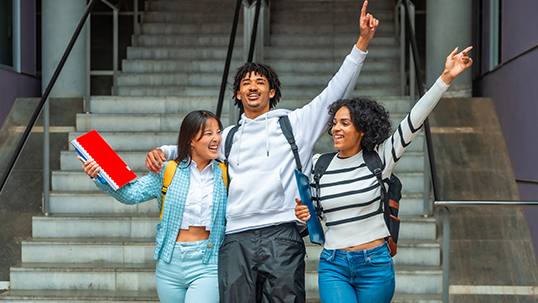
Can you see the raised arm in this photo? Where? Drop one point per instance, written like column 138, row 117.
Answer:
column 311, row 119
column 393, row 148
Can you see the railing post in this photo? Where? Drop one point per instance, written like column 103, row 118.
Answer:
column 446, row 253
column 87, row 105
column 46, row 160
column 403, row 82
column 136, row 25
column 115, row 50
column 412, row 81
column 253, row 50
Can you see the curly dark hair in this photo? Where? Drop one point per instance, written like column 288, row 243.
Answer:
column 260, row 69
column 368, row 116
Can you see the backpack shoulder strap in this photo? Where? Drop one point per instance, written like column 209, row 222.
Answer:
column 169, row 173
column 287, row 130
column 227, row 148
column 319, row 169
column 372, row 160
column 229, row 141
column 224, row 168
column 322, row 164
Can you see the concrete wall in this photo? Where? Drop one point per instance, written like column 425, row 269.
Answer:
column 514, row 89
column 23, row 84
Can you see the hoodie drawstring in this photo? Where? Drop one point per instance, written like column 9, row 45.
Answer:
column 266, row 136
column 243, row 122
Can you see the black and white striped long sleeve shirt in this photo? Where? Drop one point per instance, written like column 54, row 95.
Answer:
column 350, row 193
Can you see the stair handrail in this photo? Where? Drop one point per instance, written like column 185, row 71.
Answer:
column 43, row 107
column 231, row 47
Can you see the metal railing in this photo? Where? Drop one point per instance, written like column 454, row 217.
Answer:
column 251, row 42
column 446, row 229
column 43, row 106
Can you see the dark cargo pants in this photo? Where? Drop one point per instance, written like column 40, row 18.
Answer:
column 263, row 265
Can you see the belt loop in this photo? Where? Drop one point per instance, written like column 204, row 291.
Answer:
column 333, row 255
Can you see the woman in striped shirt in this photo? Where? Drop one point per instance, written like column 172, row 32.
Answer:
column 355, row 264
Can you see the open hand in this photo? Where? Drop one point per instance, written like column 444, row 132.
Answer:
column 301, row 211
column 155, row 160
column 90, row 167
column 367, row 24
column 455, row 64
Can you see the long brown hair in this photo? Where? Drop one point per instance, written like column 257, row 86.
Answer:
column 191, row 125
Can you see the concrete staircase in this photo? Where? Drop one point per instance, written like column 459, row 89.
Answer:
column 93, row 248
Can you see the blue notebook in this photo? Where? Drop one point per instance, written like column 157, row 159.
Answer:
column 315, row 231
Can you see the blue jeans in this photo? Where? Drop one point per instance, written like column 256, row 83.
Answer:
column 364, row 276
column 186, row 278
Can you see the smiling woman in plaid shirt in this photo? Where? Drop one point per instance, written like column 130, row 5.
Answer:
column 193, row 218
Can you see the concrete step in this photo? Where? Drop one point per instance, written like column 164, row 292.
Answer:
column 330, row 40
column 119, row 296
column 153, row 105
column 350, row 18
column 215, row 28
column 280, row 66
column 333, row 6
column 185, row 40
column 93, row 202
column 80, row 296
column 176, row 105
column 269, row 52
column 190, row 6
column 192, row 53
column 83, row 276
column 308, row 28
column 97, row 202
column 141, row 277
column 189, row 17
column 132, row 122
column 296, row 40
column 215, row 79
column 311, row 92
column 410, row 252
column 88, row 250
column 313, row 297
column 338, row 52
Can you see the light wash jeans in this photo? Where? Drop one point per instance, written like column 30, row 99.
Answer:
column 186, row 278
column 364, row 276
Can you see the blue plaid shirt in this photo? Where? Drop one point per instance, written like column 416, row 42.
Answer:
column 149, row 187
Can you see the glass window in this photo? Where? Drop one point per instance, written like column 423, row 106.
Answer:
column 6, row 33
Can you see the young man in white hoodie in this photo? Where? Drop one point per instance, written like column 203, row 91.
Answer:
column 262, row 256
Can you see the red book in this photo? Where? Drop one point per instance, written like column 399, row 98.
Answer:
column 114, row 171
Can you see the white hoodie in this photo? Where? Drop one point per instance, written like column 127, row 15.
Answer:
column 263, row 189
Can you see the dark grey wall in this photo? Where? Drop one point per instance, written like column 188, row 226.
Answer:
column 25, row 84
column 514, row 89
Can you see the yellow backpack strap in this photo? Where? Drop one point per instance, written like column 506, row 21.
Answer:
column 224, row 168
column 169, row 173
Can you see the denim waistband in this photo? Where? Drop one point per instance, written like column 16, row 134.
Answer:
column 190, row 245
column 337, row 253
